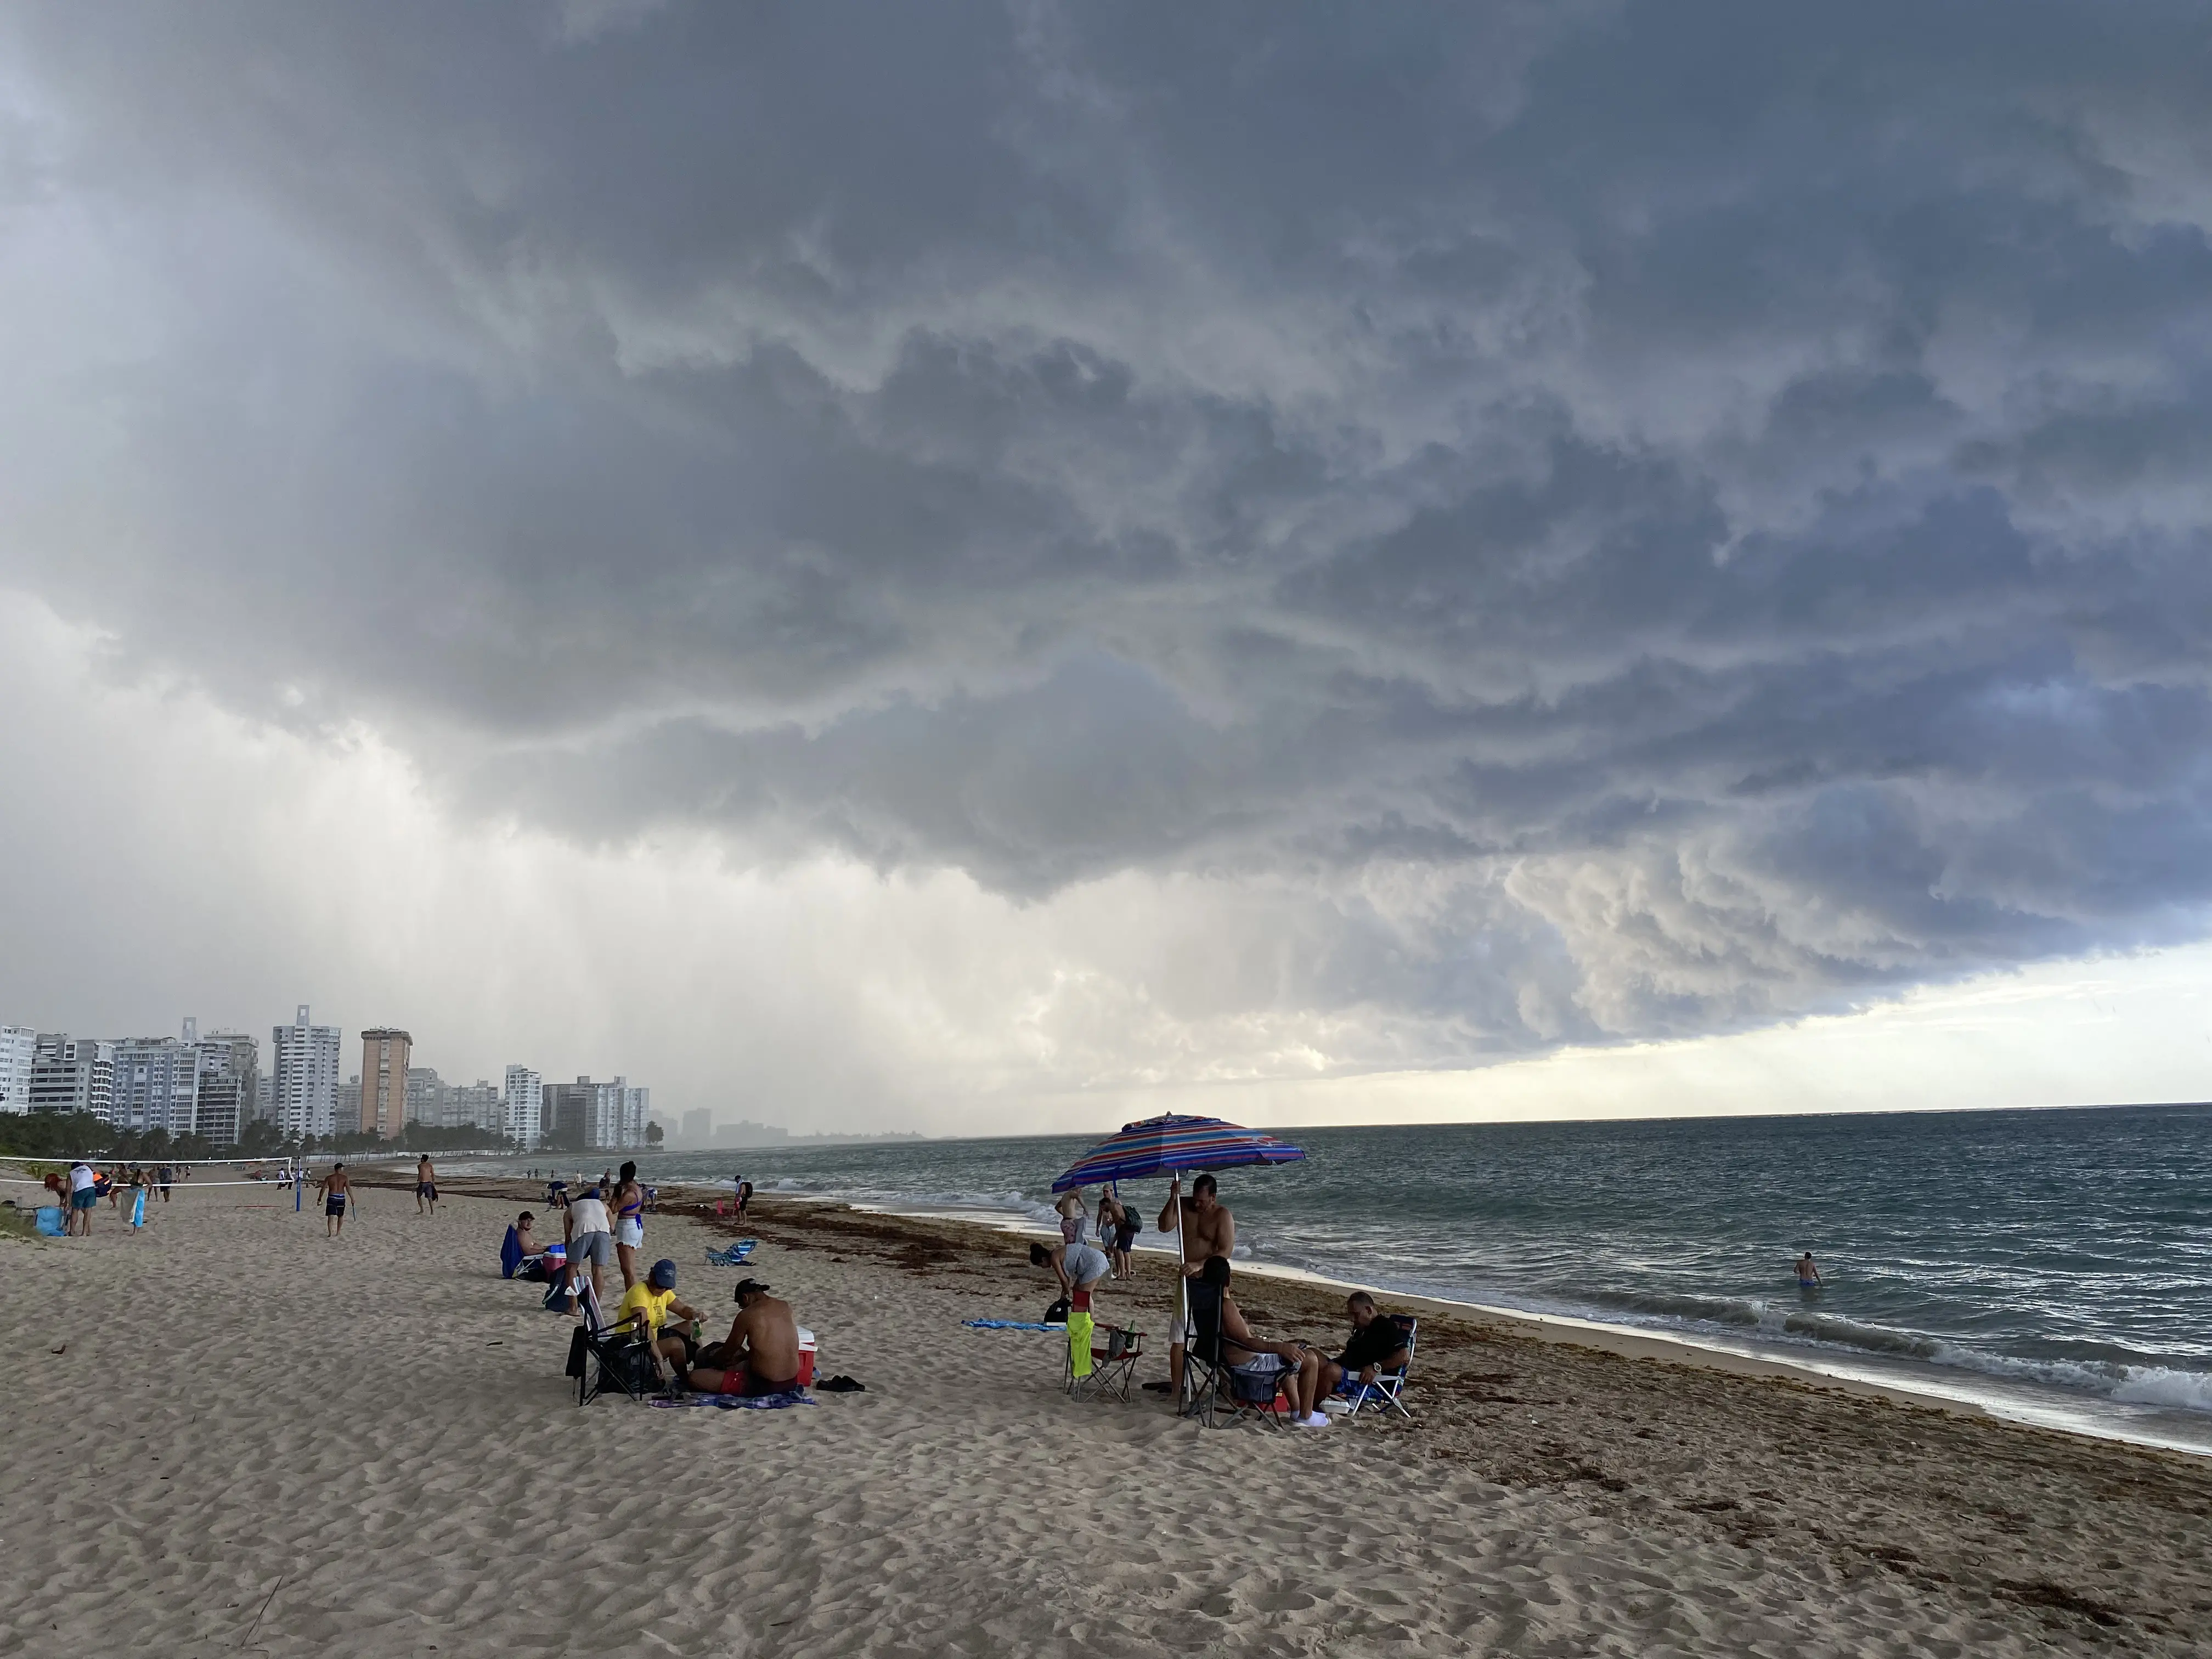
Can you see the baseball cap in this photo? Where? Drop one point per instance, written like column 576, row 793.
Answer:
column 662, row 1274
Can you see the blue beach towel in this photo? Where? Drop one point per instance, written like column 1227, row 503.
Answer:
column 730, row 1402
column 1009, row 1325
column 735, row 1255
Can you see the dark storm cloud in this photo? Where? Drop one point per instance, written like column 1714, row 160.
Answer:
column 1703, row 505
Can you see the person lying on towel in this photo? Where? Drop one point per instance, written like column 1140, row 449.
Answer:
column 761, row 1354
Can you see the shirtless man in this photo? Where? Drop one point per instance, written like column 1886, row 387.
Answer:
column 336, row 1189
column 761, row 1356
column 1809, row 1275
column 426, row 1184
column 1208, row 1230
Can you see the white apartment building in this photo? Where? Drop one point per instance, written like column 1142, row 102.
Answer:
column 426, row 1096
column 478, row 1105
column 72, row 1074
column 304, row 1076
column 157, row 1083
column 628, row 1109
column 19, row 1046
column 230, row 1083
column 522, row 1100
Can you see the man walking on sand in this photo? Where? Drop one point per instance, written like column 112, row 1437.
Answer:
column 1208, row 1230
column 336, row 1189
column 426, row 1184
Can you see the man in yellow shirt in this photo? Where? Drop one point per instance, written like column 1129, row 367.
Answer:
column 645, row 1309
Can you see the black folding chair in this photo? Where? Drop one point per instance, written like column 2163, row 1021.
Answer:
column 1209, row 1383
column 608, row 1362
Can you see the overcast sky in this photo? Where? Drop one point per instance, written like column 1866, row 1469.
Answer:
column 989, row 566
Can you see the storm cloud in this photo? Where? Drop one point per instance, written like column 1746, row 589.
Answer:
column 1551, row 523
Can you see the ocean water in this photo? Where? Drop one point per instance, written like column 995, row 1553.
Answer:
column 2053, row 1265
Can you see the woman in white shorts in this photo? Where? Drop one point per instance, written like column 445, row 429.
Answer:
column 629, row 1223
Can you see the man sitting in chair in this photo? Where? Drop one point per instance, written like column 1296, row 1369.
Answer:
column 645, row 1308
column 761, row 1356
column 1375, row 1346
column 1293, row 1369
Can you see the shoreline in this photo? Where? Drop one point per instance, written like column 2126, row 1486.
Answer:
column 2044, row 1407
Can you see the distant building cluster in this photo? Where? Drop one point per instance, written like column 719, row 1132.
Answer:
column 215, row 1087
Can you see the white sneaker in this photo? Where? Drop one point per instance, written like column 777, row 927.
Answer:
column 1316, row 1421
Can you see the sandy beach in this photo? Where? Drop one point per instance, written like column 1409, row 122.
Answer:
column 254, row 1440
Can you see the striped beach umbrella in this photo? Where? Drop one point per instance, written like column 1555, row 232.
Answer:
column 1172, row 1145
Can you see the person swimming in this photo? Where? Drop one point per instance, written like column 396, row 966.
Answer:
column 1808, row 1274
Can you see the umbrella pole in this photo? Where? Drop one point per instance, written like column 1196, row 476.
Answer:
column 1182, row 1287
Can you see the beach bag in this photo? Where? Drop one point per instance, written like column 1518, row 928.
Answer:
column 557, row 1295
column 1056, row 1314
column 50, row 1220
column 510, row 1254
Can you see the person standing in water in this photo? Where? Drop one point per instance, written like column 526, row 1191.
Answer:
column 1808, row 1274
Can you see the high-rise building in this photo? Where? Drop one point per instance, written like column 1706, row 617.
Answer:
column 72, row 1074
column 478, row 1105
column 157, row 1083
column 384, row 1082
column 698, row 1128
column 19, row 1046
column 304, row 1077
column 601, row 1116
column 523, row 1100
column 230, row 1083
column 426, row 1096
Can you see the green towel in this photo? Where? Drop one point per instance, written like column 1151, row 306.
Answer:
column 1078, row 1343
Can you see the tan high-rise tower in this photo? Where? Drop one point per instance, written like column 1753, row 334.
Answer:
column 384, row 1082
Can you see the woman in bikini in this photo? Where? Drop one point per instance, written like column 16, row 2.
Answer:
column 629, row 1223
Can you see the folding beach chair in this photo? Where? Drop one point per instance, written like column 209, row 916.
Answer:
column 608, row 1362
column 1113, row 1375
column 1210, row 1384
column 1383, row 1395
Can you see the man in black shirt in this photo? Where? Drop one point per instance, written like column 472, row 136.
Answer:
column 1375, row 1346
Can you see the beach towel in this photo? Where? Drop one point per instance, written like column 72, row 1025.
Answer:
column 510, row 1254
column 731, row 1402
column 1078, row 1342
column 50, row 1221
column 138, row 1209
column 1009, row 1325
column 766, row 1402
column 735, row 1255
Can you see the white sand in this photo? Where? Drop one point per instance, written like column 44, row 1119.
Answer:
column 259, row 1440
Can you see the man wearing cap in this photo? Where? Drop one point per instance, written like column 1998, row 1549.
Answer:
column 645, row 1308
column 761, row 1356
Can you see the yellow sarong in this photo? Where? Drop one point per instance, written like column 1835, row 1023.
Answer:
column 1079, row 1327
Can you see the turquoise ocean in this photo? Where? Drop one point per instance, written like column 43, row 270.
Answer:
column 2054, row 1265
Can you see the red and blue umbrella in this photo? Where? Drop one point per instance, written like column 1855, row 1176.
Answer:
column 1171, row 1144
